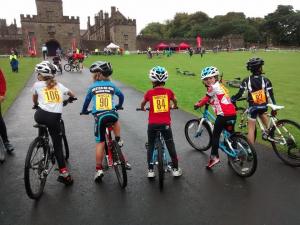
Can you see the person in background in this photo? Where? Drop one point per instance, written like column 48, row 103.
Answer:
column 44, row 51
column 14, row 63
column 3, row 131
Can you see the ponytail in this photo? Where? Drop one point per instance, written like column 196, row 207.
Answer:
column 51, row 83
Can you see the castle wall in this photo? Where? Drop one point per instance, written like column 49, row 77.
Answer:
column 124, row 36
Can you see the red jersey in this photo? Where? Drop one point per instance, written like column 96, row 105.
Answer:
column 159, row 99
column 2, row 84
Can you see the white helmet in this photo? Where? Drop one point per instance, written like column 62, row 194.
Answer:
column 209, row 71
column 159, row 74
column 45, row 69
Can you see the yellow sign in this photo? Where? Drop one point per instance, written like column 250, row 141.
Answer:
column 103, row 102
column 52, row 95
column 160, row 103
column 259, row 97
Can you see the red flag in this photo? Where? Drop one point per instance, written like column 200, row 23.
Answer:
column 74, row 44
column 199, row 41
column 2, row 84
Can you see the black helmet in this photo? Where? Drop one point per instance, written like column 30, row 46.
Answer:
column 254, row 64
column 103, row 67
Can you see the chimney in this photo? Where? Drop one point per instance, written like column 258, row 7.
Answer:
column 88, row 22
column 113, row 10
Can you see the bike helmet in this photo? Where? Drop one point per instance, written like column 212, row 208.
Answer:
column 159, row 74
column 209, row 71
column 52, row 66
column 103, row 67
column 46, row 70
column 254, row 63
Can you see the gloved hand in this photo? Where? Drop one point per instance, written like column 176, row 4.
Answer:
column 118, row 107
column 196, row 107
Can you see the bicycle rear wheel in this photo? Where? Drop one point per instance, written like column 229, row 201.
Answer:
column 119, row 165
column 245, row 162
column 160, row 166
column 286, row 137
column 35, row 174
column 67, row 67
column 2, row 151
column 201, row 140
column 66, row 150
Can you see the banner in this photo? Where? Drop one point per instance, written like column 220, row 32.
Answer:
column 73, row 45
column 199, row 41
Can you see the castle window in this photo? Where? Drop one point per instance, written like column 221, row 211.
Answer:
column 126, row 46
column 125, row 37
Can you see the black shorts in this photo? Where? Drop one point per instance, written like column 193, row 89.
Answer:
column 101, row 122
column 254, row 111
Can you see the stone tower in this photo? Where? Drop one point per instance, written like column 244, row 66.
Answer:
column 50, row 27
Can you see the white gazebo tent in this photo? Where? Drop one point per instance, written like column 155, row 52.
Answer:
column 112, row 46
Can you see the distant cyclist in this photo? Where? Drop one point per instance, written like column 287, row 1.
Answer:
column 102, row 93
column 260, row 93
column 48, row 96
column 218, row 97
column 159, row 98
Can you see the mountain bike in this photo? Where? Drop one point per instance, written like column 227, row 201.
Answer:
column 113, row 152
column 160, row 158
column 2, row 151
column 283, row 134
column 40, row 160
column 72, row 66
column 241, row 154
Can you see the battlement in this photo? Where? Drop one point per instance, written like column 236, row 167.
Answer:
column 71, row 19
column 28, row 18
column 128, row 22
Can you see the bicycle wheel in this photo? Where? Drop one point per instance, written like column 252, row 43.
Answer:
column 67, row 67
column 65, row 145
column 286, row 137
column 245, row 162
column 160, row 166
column 119, row 165
column 201, row 140
column 35, row 173
column 2, row 151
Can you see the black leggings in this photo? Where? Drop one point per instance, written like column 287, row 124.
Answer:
column 222, row 122
column 52, row 121
column 166, row 132
column 3, row 131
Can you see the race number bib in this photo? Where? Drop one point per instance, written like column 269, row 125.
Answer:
column 160, row 103
column 103, row 102
column 52, row 95
column 259, row 97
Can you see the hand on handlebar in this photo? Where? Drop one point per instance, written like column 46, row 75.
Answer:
column 85, row 112
column 69, row 100
column 196, row 107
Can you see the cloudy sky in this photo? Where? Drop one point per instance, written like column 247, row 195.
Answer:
column 147, row 11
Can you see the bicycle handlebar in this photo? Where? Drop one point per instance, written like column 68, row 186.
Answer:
column 148, row 108
column 90, row 111
column 65, row 102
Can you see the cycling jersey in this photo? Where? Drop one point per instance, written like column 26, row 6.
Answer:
column 159, row 98
column 260, row 90
column 218, row 97
column 102, row 93
column 50, row 100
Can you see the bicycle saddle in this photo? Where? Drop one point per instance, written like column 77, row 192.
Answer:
column 39, row 126
column 275, row 107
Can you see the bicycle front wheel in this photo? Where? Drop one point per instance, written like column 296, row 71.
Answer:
column 35, row 174
column 286, row 138
column 67, row 67
column 2, row 151
column 199, row 140
column 245, row 161
column 119, row 165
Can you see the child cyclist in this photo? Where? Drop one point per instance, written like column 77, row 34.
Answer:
column 159, row 117
column 217, row 96
column 48, row 96
column 260, row 92
column 102, row 93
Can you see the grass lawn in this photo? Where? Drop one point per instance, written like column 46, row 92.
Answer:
column 280, row 67
column 16, row 81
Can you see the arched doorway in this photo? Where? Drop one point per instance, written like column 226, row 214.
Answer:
column 52, row 45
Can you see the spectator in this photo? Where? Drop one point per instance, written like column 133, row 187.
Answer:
column 3, row 131
column 45, row 51
column 14, row 63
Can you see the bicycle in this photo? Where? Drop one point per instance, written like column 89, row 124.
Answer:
column 114, row 152
column 241, row 154
column 72, row 66
column 2, row 151
column 40, row 160
column 160, row 158
column 283, row 134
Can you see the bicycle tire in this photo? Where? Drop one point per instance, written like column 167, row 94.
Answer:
column 286, row 146
column 35, row 193
column 119, row 165
column 190, row 133
column 242, row 123
column 66, row 150
column 245, row 164
column 67, row 67
column 160, row 166
column 2, row 151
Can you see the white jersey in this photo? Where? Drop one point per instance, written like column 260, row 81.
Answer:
column 50, row 100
